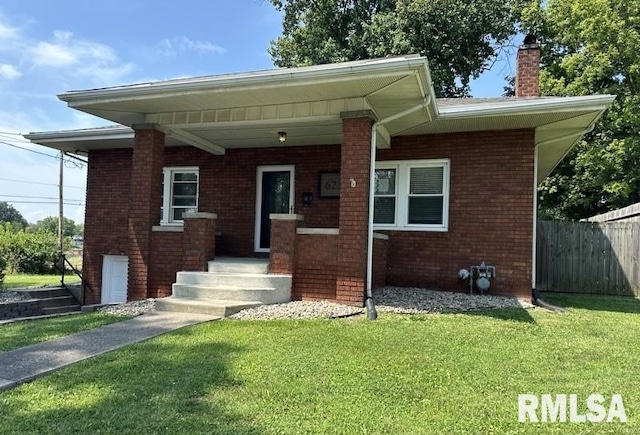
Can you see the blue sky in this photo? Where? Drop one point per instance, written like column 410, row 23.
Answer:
column 49, row 47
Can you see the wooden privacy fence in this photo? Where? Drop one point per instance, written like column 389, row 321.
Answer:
column 588, row 257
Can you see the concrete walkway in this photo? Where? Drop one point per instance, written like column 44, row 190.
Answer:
column 28, row 363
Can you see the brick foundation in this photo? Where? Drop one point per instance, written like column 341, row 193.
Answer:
column 283, row 248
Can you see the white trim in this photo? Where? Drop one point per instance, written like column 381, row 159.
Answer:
column 167, row 228
column 199, row 215
column 380, row 236
column 286, row 217
column 319, row 231
column 403, row 168
column 292, row 194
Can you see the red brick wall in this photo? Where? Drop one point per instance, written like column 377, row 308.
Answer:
column 107, row 214
column 490, row 212
column 316, row 265
column 228, row 187
column 282, row 249
column 354, row 210
column 166, row 261
column 145, row 194
column 198, row 243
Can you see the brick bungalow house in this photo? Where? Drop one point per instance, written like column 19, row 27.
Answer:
column 278, row 163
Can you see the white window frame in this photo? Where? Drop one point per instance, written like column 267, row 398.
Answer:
column 167, row 175
column 402, row 168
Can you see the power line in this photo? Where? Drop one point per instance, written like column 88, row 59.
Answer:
column 44, row 184
column 38, row 197
column 44, row 154
column 30, row 150
column 45, row 202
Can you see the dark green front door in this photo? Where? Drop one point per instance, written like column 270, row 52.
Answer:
column 275, row 197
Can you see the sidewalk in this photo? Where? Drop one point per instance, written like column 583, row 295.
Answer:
column 25, row 364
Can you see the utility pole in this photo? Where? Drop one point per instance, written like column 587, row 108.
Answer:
column 61, row 210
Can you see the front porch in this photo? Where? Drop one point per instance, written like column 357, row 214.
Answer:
column 302, row 265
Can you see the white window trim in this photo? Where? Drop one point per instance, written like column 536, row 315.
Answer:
column 167, row 174
column 402, row 168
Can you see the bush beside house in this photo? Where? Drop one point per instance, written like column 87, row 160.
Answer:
column 29, row 252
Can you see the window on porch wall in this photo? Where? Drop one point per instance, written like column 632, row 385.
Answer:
column 412, row 195
column 180, row 188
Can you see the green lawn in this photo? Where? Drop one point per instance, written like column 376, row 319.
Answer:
column 453, row 373
column 19, row 334
column 23, row 280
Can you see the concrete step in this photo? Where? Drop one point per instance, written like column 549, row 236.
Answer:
column 259, row 280
column 46, row 292
column 62, row 309
column 59, row 301
column 265, row 295
column 239, row 265
column 221, row 308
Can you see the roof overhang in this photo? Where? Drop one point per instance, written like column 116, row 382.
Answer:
column 218, row 113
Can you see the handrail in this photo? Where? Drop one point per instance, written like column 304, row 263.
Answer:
column 84, row 283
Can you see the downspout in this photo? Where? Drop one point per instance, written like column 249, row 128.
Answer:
column 535, row 294
column 369, row 304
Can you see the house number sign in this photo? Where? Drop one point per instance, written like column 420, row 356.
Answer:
column 329, row 184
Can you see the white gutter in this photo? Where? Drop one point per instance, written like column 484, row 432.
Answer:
column 425, row 103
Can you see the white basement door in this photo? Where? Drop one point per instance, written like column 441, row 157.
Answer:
column 114, row 279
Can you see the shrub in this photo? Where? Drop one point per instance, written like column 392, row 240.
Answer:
column 3, row 264
column 29, row 252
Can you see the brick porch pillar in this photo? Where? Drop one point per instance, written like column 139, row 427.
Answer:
column 144, row 211
column 354, row 207
column 283, row 237
column 199, row 240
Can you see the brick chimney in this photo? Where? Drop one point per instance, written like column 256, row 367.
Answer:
column 528, row 68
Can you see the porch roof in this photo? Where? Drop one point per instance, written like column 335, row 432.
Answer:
column 247, row 110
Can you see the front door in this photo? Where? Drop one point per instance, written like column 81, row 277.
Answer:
column 275, row 194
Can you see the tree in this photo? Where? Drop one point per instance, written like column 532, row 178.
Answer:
column 50, row 225
column 11, row 215
column 460, row 38
column 591, row 46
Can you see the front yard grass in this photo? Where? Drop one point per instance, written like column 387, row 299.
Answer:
column 447, row 373
column 24, row 280
column 25, row 333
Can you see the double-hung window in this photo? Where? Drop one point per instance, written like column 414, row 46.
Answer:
column 412, row 195
column 179, row 193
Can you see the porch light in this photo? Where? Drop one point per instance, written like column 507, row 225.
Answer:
column 282, row 136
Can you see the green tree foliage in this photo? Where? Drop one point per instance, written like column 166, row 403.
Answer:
column 50, row 225
column 10, row 214
column 591, row 47
column 29, row 252
column 459, row 37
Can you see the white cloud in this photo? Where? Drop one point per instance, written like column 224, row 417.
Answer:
column 6, row 31
column 9, row 72
column 170, row 47
column 79, row 58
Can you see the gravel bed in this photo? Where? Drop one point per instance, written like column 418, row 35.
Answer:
column 388, row 299
column 134, row 308
column 297, row 310
column 11, row 296
column 416, row 300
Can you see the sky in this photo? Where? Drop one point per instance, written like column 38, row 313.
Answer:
column 49, row 47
